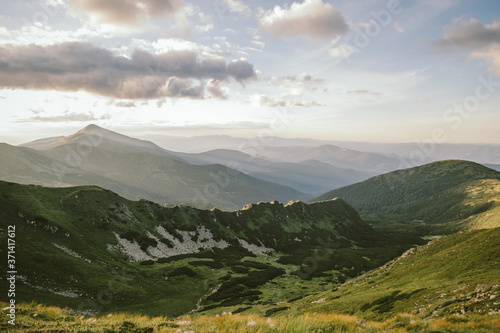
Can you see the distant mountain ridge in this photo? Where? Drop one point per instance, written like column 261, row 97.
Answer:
column 136, row 169
column 477, row 152
column 223, row 178
column 309, row 176
column 304, row 178
column 333, row 155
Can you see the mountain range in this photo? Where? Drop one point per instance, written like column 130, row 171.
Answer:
column 265, row 258
column 309, row 176
column 432, row 152
column 135, row 169
column 123, row 225
column 226, row 179
column 264, row 173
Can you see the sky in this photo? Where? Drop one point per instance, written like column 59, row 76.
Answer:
column 377, row 71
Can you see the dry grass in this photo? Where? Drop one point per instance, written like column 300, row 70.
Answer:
column 37, row 318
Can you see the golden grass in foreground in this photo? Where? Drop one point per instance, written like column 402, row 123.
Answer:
column 37, row 318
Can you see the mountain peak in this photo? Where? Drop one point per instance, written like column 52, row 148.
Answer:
column 95, row 130
column 105, row 138
column 88, row 128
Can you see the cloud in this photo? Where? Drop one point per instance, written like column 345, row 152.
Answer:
column 300, row 79
column 236, row 6
column 66, row 117
column 281, row 101
column 343, row 51
column 181, row 28
column 127, row 12
column 398, row 28
column 365, row 95
column 180, row 87
column 55, row 3
column 491, row 54
column 241, row 70
column 258, row 43
column 469, row 35
column 124, row 104
column 312, row 18
column 294, row 87
column 483, row 40
column 82, row 66
column 204, row 28
column 216, row 89
column 365, row 92
column 296, row 84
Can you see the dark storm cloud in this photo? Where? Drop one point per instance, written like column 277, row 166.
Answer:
column 82, row 66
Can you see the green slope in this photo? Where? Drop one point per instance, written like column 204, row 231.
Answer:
column 456, row 274
column 89, row 249
column 448, row 195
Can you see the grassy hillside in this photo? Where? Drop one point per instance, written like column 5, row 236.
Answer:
column 453, row 275
column 448, row 285
column 448, row 195
column 91, row 250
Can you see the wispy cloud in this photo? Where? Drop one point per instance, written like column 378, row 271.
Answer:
column 491, row 54
column 236, row 6
column 125, row 104
column 281, row 101
column 365, row 92
column 66, row 117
